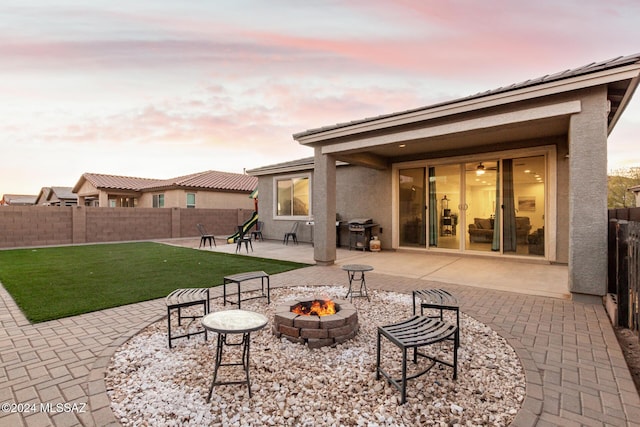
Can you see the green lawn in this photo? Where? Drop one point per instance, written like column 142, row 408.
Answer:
column 50, row 283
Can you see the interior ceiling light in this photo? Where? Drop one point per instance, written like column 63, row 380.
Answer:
column 402, row 145
column 480, row 169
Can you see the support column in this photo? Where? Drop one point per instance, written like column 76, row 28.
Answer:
column 588, row 221
column 324, row 208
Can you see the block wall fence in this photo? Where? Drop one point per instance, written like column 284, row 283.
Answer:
column 36, row 226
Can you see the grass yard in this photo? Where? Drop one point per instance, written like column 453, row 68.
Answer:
column 51, row 283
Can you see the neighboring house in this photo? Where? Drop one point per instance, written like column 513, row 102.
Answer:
column 17, row 200
column 210, row 189
column 519, row 172
column 56, row 196
column 636, row 192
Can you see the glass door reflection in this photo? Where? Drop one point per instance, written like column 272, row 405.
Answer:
column 481, row 199
column 412, row 214
column 444, row 206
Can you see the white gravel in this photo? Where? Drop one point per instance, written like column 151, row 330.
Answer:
column 149, row 384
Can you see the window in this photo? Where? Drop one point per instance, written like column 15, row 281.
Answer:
column 158, row 200
column 293, row 196
column 191, row 200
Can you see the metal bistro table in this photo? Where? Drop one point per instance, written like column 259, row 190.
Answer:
column 352, row 270
column 233, row 322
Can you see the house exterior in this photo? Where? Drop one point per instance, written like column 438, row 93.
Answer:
column 56, row 196
column 17, row 200
column 519, row 172
column 210, row 189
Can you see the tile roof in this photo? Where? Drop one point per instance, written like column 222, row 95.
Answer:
column 19, row 199
column 64, row 193
column 213, row 180
column 566, row 74
column 210, row 180
column 118, row 182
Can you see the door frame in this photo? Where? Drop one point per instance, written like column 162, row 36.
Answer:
column 551, row 191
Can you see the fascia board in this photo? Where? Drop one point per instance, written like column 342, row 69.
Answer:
column 623, row 103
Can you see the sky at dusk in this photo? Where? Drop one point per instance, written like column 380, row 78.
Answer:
column 160, row 89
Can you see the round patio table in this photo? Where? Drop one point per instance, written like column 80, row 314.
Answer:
column 231, row 322
column 352, row 272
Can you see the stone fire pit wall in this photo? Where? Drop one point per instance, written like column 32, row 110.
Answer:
column 316, row 331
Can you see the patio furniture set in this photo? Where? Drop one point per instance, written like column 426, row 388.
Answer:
column 418, row 331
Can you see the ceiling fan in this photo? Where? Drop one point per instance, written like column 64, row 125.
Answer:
column 481, row 169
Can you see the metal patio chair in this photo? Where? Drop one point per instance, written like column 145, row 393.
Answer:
column 293, row 234
column 205, row 236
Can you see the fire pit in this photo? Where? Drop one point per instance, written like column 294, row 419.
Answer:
column 317, row 322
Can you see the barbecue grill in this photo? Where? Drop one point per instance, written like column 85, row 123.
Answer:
column 360, row 233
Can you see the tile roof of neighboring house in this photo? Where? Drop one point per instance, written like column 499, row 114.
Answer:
column 63, row 193
column 566, row 74
column 213, row 180
column 116, row 182
column 210, row 180
column 19, row 199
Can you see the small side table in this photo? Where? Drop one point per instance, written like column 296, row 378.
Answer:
column 352, row 271
column 233, row 322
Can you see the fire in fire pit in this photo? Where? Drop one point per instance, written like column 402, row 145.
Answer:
column 315, row 307
column 311, row 323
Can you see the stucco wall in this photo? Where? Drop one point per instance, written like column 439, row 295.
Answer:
column 365, row 193
column 368, row 195
column 204, row 199
column 588, row 194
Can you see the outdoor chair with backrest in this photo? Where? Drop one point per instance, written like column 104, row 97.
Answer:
column 205, row 236
column 242, row 238
column 293, row 234
column 257, row 233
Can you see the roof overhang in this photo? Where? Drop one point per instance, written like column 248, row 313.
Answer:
column 524, row 112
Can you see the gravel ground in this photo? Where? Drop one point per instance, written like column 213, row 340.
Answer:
column 149, row 384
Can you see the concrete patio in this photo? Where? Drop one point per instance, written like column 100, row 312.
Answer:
column 576, row 373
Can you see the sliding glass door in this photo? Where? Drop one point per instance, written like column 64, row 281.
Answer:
column 482, row 182
column 444, row 206
column 524, row 200
column 412, row 214
column 490, row 205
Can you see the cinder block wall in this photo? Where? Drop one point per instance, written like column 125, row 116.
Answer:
column 28, row 226
column 35, row 226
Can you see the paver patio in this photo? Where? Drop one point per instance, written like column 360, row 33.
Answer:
column 575, row 371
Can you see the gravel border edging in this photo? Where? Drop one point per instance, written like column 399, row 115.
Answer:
column 99, row 401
